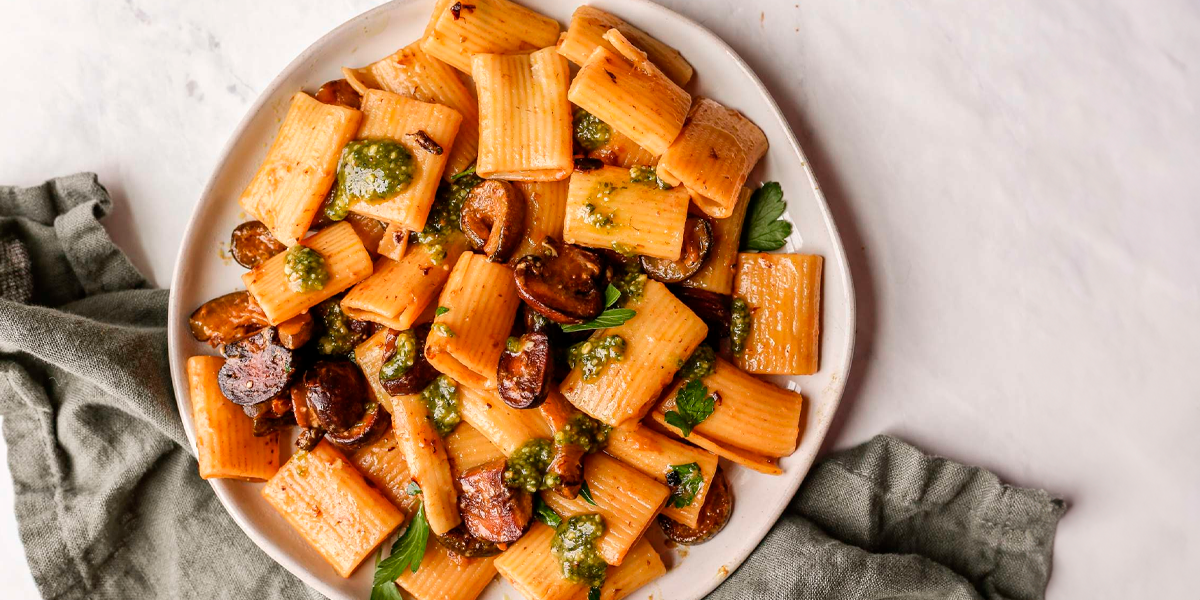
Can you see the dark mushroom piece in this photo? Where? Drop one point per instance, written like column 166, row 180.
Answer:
column 491, row 510
column 561, row 283
column 227, row 319
column 525, row 370
column 493, row 219
column 310, row 432
column 714, row 515
column 712, row 308
column 697, row 241
column 419, row 374
column 461, row 542
column 339, row 92
column 336, row 394
column 256, row 369
column 296, row 331
column 252, row 243
column 269, row 417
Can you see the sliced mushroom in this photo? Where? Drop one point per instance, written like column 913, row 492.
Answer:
column 535, row 322
column 525, row 371
column 493, row 218
column 712, row 308
column 490, row 510
column 252, row 243
column 336, row 394
column 461, row 542
column 561, row 283
column 256, row 369
column 420, row 375
column 697, row 240
column 340, row 92
column 227, row 319
column 374, row 423
column 714, row 515
column 296, row 331
column 269, row 417
column 567, row 461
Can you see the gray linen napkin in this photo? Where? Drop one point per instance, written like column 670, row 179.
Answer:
column 109, row 503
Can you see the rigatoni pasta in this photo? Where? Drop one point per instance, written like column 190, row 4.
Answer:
column 485, row 27
column 504, row 426
column 398, row 292
column 586, row 33
column 606, row 209
column 446, row 577
column 394, row 242
column 656, row 455
column 783, row 292
column 382, row 463
column 288, row 188
column 468, row 448
column 534, row 572
column 620, row 150
column 545, row 205
column 525, row 119
column 716, row 275
column 226, row 446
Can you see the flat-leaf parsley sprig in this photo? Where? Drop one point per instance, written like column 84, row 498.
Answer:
column 693, row 404
column 406, row 554
column 764, row 230
column 611, row 317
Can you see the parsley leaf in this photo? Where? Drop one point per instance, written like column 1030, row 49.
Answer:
column 611, row 294
column 441, row 310
column 406, row 553
column 544, row 513
column 693, row 404
column 594, row 593
column 413, row 489
column 586, row 494
column 685, row 482
column 463, row 173
column 386, row 591
column 763, row 229
column 609, row 318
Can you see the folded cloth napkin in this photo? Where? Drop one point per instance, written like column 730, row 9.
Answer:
column 109, row 503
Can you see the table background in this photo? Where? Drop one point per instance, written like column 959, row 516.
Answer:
column 1016, row 184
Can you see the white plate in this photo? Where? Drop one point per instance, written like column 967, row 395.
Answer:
column 202, row 272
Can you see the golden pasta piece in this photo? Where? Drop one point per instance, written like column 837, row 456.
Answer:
column 468, row 448
column 621, row 151
column 506, row 427
column 545, row 204
column 485, row 27
column 717, row 273
column 625, row 90
column 467, row 339
column 398, row 292
column 658, row 339
column 382, row 463
column 530, row 567
column 446, row 577
column 332, row 507
column 289, row 187
column 655, row 454
column 605, row 209
column 226, row 446
column 423, row 449
column 525, row 119
column 413, row 124
column 412, row 73
column 627, row 499
column 346, row 261
column 394, row 242
column 783, row 292
column 713, row 156
column 586, row 33
column 747, row 459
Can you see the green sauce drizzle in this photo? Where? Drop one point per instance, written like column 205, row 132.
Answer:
column 441, row 398
column 337, row 338
column 592, row 356
column 583, row 431
column 590, row 132
column 526, row 467
column 404, row 358
column 739, row 325
column 575, row 547
column 370, row 171
column 632, row 285
column 443, row 217
column 600, row 219
column 699, row 365
column 304, row 269
column 647, row 176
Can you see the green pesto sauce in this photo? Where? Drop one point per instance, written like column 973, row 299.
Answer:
column 583, row 431
column 443, row 329
column 575, row 547
column 685, row 482
column 600, row 219
column 336, row 336
column 623, row 249
column 647, row 176
column 590, row 132
column 739, row 325
column 632, row 285
column 514, row 345
column 700, row 364
column 304, row 269
column 603, row 192
column 526, row 467
column 404, row 358
column 443, row 217
column 441, row 398
column 592, row 356
column 369, row 171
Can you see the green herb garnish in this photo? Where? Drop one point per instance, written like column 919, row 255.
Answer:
column 764, row 230
column 586, row 494
column 406, row 554
column 685, row 482
column 610, row 317
column 544, row 513
column 463, row 173
column 441, row 310
column 413, row 489
column 693, row 404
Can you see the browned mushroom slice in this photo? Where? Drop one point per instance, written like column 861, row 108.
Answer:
column 335, row 393
column 562, row 283
column 490, row 510
column 296, row 331
column 535, row 322
column 339, row 91
column 405, row 369
column 712, row 308
column 524, row 372
column 252, row 243
column 567, row 461
column 256, row 369
column 697, row 240
column 461, row 542
column 269, row 417
column 373, row 424
column 493, row 218
column 714, row 515
column 227, row 319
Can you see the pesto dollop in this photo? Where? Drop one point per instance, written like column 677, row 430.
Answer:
column 369, row 171
column 337, row 337
column 632, row 285
column 575, row 547
column 583, row 431
column 441, row 398
column 594, row 216
column 527, row 465
column 404, row 358
column 648, row 176
column 590, row 131
column 443, row 217
column 304, row 269
column 591, row 356
column 699, row 365
column 739, row 325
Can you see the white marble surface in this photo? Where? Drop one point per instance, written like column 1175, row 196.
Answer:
column 1016, row 184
